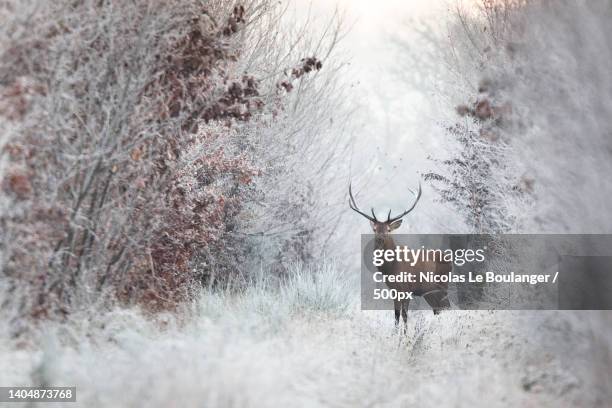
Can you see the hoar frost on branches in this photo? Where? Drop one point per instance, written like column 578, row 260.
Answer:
column 125, row 161
column 481, row 177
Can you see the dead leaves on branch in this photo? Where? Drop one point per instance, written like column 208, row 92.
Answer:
column 305, row 66
column 17, row 183
column 491, row 116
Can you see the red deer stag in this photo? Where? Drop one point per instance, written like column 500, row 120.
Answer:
column 434, row 293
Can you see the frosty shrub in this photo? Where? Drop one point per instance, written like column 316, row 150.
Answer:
column 534, row 76
column 127, row 150
column 473, row 179
column 476, row 174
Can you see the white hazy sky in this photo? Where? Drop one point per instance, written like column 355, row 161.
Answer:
column 398, row 123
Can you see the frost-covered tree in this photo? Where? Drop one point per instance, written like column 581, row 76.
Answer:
column 476, row 179
column 548, row 63
column 136, row 147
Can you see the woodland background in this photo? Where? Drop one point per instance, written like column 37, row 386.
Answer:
column 173, row 207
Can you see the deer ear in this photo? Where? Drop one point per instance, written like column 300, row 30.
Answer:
column 395, row 225
column 373, row 225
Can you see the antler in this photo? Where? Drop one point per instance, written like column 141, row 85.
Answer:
column 418, row 196
column 354, row 207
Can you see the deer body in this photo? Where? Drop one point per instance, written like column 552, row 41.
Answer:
column 437, row 266
column 434, row 293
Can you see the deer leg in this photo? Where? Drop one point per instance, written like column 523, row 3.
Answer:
column 438, row 301
column 398, row 307
column 405, row 315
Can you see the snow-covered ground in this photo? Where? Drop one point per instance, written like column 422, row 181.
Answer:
column 307, row 344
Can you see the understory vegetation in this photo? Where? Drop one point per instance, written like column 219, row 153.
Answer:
column 149, row 148
column 305, row 342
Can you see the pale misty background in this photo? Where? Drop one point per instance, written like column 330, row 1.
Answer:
column 399, row 117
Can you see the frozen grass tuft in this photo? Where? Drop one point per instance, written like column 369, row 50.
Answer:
column 318, row 289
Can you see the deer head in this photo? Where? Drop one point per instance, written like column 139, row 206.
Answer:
column 379, row 227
